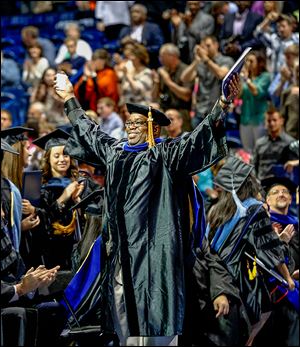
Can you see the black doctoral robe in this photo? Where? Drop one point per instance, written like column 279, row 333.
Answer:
column 146, row 218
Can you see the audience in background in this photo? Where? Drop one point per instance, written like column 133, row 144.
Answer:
column 83, row 49
column 10, row 72
column 237, row 30
column 30, row 36
column 35, row 66
column 188, row 30
column 108, row 119
column 255, row 84
column 144, row 32
column 98, row 80
column 269, row 148
column 168, row 89
column 210, row 67
column 73, row 62
column 290, row 104
column 112, row 17
column 137, row 83
column 44, row 92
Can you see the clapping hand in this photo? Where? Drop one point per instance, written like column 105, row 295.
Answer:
column 164, row 74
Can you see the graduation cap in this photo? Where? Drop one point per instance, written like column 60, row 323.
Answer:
column 233, row 174
column 15, row 134
column 58, row 137
column 7, row 148
column 270, row 182
column 153, row 115
column 91, row 203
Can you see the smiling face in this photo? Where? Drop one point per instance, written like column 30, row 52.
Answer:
column 279, row 198
column 137, row 129
column 59, row 162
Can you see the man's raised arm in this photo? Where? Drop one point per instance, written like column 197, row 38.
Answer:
column 87, row 141
column 206, row 144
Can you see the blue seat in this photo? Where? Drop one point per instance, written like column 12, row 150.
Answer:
column 15, row 100
column 7, row 41
column 7, row 53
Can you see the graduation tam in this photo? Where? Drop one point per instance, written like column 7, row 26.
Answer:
column 57, row 137
column 153, row 115
column 158, row 117
column 5, row 147
column 270, row 182
column 91, row 203
column 233, row 174
column 15, row 134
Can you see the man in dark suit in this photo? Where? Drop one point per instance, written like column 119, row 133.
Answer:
column 149, row 34
column 237, row 31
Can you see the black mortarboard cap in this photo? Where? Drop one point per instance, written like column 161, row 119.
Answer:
column 233, row 174
column 7, row 148
column 270, row 182
column 57, row 137
column 15, row 134
column 92, row 203
column 159, row 117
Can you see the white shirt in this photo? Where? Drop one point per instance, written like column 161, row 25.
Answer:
column 136, row 33
column 83, row 50
column 113, row 12
column 34, row 75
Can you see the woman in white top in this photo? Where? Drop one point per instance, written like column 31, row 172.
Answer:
column 35, row 66
column 137, row 83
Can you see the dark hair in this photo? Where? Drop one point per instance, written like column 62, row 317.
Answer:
column 37, row 45
column 42, row 88
column 225, row 208
column 272, row 109
column 261, row 61
column 46, row 168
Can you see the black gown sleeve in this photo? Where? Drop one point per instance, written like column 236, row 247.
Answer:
column 87, row 141
column 198, row 150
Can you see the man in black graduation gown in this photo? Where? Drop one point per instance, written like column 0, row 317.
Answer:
column 148, row 221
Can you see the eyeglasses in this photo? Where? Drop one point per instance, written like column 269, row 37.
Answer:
column 136, row 124
column 277, row 191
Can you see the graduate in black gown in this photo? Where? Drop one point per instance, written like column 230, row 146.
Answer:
column 150, row 227
column 239, row 223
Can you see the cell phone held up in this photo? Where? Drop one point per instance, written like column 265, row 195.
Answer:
column 61, row 81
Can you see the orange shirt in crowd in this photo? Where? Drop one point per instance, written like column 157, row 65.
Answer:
column 106, row 86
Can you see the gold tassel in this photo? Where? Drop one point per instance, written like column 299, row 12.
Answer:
column 60, row 229
column 151, row 142
column 252, row 274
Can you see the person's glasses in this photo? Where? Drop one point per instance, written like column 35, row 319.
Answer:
column 277, row 191
column 136, row 124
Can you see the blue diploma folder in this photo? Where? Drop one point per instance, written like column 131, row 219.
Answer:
column 236, row 69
